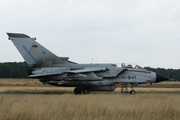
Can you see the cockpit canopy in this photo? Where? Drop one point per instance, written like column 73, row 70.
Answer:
column 123, row 65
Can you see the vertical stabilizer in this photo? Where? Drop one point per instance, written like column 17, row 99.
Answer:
column 32, row 52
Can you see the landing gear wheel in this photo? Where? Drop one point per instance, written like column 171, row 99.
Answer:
column 77, row 91
column 86, row 91
column 132, row 92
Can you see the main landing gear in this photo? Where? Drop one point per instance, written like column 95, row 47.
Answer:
column 124, row 88
column 81, row 90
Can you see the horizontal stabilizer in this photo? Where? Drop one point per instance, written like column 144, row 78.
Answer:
column 42, row 75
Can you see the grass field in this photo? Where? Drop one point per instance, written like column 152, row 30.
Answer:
column 150, row 103
column 90, row 107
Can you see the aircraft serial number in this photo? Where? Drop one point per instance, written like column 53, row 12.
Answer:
column 128, row 77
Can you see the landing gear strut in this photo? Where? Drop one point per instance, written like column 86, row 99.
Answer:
column 124, row 87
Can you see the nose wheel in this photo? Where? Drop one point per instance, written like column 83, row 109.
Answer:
column 132, row 92
column 132, row 89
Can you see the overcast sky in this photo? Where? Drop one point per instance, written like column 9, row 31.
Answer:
column 144, row 32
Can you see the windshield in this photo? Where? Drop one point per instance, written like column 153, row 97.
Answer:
column 123, row 65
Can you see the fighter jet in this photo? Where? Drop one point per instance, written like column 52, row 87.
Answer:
column 59, row 71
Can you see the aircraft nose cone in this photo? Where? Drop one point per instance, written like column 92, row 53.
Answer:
column 160, row 78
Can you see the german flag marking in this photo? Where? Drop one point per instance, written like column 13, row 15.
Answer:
column 34, row 46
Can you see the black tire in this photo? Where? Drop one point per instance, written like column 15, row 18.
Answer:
column 86, row 91
column 132, row 92
column 77, row 91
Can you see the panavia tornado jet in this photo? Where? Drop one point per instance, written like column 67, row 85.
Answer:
column 59, row 71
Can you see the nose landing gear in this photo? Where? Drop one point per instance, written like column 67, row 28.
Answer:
column 124, row 88
column 132, row 89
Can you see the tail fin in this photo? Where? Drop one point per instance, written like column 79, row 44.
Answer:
column 33, row 53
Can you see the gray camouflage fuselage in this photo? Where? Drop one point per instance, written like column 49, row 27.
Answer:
column 58, row 71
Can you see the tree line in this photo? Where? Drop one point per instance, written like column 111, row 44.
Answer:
column 13, row 70
column 20, row 70
column 173, row 74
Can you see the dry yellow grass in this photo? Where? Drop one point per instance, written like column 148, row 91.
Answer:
column 90, row 107
column 35, row 90
column 20, row 82
column 161, row 104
